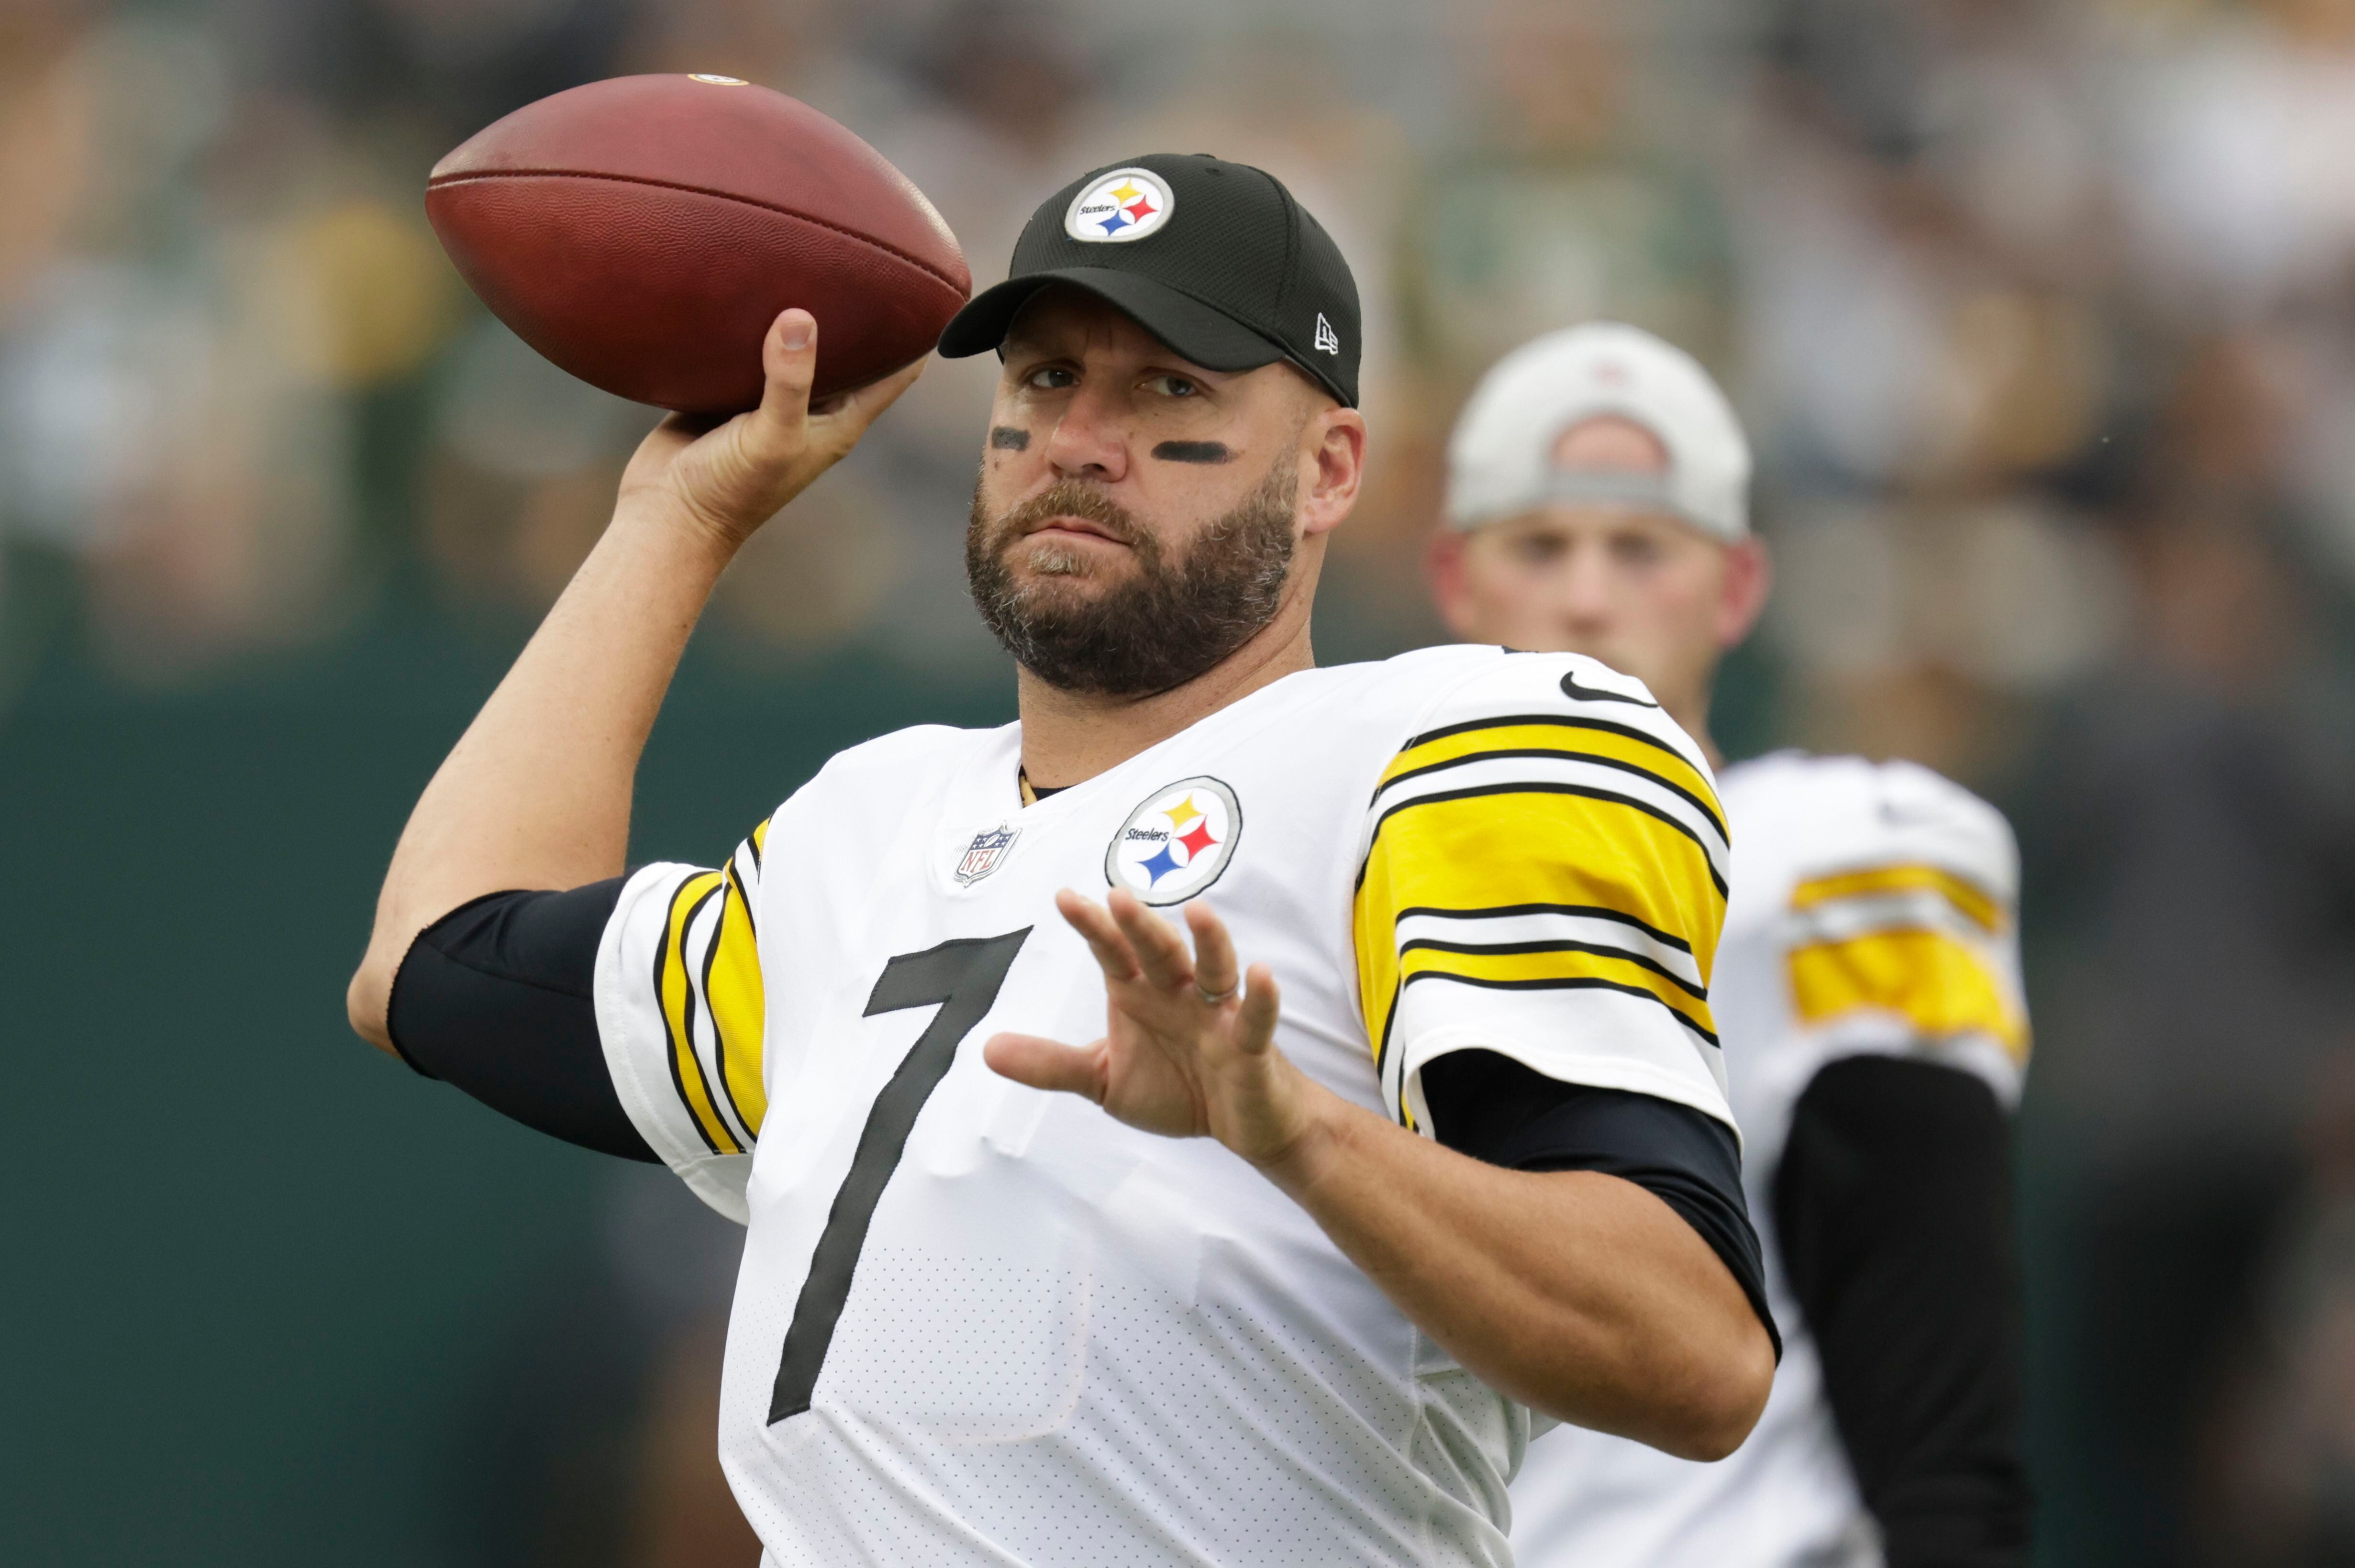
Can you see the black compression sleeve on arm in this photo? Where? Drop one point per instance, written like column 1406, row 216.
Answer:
column 497, row 998
column 1488, row 1105
column 1892, row 1206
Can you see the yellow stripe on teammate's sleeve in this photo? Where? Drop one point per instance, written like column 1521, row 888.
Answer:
column 1976, row 903
column 1930, row 979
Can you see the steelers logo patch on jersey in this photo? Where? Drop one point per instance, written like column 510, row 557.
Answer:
column 1126, row 204
column 1176, row 843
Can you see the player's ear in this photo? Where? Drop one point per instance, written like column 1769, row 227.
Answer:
column 1749, row 577
column 1333, row 459
column 1443, row 564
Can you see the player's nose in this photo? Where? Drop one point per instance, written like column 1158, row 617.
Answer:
column 1087, row 442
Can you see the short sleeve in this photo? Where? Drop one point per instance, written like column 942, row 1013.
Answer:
column 1544, row 876
column 1908, row 940
column 681, row 1009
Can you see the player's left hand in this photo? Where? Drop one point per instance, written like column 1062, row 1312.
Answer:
column 1189, row 1047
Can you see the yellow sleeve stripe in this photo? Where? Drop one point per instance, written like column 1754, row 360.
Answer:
column 674, row 988
column 1598, row 741
column 1935, row 982
column 759, row 842
column 733, row 990
column 1976, row 904
column 1511, row 848
column 1531, row 800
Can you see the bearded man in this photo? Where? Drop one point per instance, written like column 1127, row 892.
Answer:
column 1250, row 1277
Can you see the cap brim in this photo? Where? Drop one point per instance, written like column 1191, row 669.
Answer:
column 1207, row 337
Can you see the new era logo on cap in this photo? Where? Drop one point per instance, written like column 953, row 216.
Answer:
column 1327, row 340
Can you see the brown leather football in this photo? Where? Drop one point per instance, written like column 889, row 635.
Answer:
column 644, row 232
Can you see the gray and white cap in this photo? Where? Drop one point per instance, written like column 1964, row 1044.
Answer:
column 1500, row 461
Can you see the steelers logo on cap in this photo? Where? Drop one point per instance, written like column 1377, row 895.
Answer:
column 1176, row 843
column 1125, row 205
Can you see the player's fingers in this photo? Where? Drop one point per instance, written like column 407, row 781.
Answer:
column 1048, row 1063
column 1214, row 952
column 789, row 362
column 1262, row 1004
column 1160, row 951
column 1104, row 937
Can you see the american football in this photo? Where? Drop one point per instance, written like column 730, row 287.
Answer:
column 643, row 232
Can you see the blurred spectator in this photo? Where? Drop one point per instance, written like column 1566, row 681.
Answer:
column 2284, row 1455
column 2192, row 824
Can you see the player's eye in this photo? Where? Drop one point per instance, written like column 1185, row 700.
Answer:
column 1540, row 549
column 1173, row 387
column 1051, row 379
column 1636, row 549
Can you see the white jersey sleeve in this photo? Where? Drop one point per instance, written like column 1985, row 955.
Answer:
column 1544, row 876
column 682, row 1012
column 1900, row 932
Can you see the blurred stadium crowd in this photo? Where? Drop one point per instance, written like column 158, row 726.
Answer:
column 2042, row 316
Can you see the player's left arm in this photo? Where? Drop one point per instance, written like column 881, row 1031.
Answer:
column 1576, row 1292
column 1893, row 1197
column 1541, row 887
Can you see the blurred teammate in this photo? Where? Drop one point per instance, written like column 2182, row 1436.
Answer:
column 1248, row 1289
column 1867, row 992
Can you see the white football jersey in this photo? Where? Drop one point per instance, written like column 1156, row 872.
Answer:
column 981, row 1324
column 1873, row 911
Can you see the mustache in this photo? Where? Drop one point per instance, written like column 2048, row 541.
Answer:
column 1068, row 498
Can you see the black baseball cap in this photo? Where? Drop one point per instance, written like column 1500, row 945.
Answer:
column 1214, row 258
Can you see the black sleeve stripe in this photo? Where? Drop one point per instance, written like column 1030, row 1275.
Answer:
column 1559, row 721
column 1382, row 1045
column 743, row 896
column 1717, row 879
column 1592, row 758
column 674, row 1049
column 744, row 1128
column 1586, row 911
column 1566, row 983
column 1436, row 944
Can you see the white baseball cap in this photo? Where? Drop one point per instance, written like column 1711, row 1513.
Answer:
column 1500, row 461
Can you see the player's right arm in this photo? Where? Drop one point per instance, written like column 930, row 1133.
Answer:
column 537, row 793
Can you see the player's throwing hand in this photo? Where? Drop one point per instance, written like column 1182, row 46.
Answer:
column 734, row 476
column 1189, row 1044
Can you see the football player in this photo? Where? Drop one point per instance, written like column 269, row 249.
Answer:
column 1087, row 1225
column 1867, row 992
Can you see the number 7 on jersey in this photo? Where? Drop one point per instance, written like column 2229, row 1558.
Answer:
column 961, row 979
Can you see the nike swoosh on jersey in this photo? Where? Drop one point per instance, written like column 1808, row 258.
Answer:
column 1572, row 690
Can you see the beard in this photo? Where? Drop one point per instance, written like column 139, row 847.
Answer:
column 1170, row 621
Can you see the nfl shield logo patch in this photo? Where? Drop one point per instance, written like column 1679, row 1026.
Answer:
column 985, row 854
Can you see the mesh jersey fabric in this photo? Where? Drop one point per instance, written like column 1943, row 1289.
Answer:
column 978, row 1323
